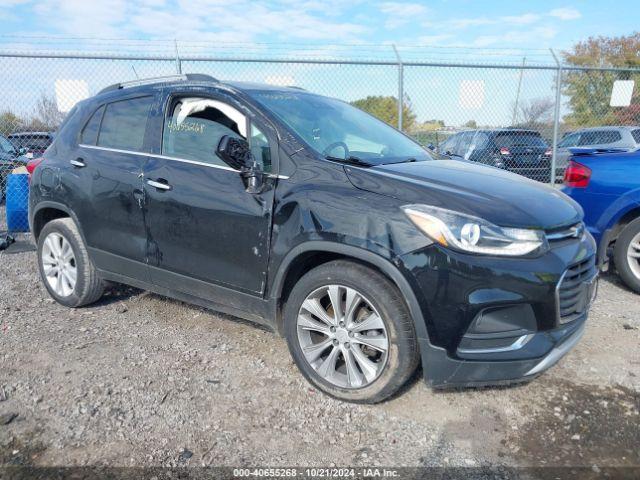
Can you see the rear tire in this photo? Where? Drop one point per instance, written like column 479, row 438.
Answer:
column 66, row 270
column 371, row 352
column 626, row 255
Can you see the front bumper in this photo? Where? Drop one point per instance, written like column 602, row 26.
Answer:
column 499, row 320
column 442, row 370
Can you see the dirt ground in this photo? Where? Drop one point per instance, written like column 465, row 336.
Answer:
column 141, row 380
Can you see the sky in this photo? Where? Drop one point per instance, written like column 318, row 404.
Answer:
column 443, row 30
column 490, row 23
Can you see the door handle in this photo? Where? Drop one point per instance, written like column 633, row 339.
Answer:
column 159, row 185
column 78, row 162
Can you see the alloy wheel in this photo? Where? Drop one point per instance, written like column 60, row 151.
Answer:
column 342, row 336
column 59, row 264
column 633, row 255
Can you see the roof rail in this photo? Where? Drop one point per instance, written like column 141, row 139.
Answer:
column 194, row 77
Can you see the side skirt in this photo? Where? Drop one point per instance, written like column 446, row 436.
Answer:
column 257, row 310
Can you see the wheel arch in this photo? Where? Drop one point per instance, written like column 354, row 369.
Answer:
column 311, row 254
column 621, row 221
column 44, row 212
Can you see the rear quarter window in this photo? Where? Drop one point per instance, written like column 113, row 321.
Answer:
column 89, row 135
column 636, row 135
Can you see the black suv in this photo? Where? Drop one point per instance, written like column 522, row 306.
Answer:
column 310, row 216
column 519, row 151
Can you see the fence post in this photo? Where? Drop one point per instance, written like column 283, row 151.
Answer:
column 178, row 61
column 400, row 88
column 556, row 119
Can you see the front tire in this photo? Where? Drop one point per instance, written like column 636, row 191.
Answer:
column 65, row 267
column 350, row 332
column 626, row 255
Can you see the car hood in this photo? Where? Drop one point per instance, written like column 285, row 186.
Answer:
column 503, row 198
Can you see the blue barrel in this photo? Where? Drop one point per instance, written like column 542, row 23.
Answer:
column 18, row 203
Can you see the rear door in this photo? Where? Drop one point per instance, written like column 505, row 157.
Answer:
column 107, row 171
column 204, row 228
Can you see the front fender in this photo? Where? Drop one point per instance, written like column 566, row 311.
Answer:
column 392, row 268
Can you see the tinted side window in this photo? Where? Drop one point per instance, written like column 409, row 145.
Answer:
column 449, row 144
column 89, row 134
column 609, row 137
column 465, row 142
column 570, row 140
column 124, row 124
column 194, row 127
column 481, row 140
column 512, row 139
column 260, row 148
column 599, row 137
column 636, row 135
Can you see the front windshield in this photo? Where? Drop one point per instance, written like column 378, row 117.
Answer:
column 337, row 130
column 6, row 145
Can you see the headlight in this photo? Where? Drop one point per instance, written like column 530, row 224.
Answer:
column 472, row 234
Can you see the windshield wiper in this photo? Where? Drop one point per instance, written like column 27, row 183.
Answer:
column 351, row 160
column 407, row 160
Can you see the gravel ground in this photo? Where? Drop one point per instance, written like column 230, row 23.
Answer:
column 141, row 380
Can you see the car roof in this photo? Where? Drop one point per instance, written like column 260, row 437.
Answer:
column 192, row 79
column 500, row 130
column 607, row 127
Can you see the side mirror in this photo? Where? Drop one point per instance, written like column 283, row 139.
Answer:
column 234, row 152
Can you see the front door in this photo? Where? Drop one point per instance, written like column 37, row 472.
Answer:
column 204, row 229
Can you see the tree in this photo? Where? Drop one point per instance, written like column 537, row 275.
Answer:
column 589, row 92
column 535, row 112
column 471, row 124
column 9, row 122
column 429, row 125
column 47, row 117
column 386, row 109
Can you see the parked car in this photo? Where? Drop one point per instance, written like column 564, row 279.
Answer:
column 607, row 185
column 625, row 138
column 9, row 159
column 310, row 216
column 519, row 151
column 31, row 144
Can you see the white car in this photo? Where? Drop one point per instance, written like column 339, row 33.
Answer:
column 624, row 138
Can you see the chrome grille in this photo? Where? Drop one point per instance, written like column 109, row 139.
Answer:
column 573, row 231
column 576, row 289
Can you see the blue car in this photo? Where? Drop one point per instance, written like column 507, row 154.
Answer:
column 606, row 183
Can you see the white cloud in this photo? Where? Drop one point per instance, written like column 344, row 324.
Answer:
column 567, row 13
column 525, row 19
column 429, row 40
column 516, row 37
column 196, row 20
column 401, row 13
column 471, row 22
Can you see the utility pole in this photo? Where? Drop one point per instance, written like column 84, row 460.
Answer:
column 556, row 119
column 515, row 106
column 400, row 87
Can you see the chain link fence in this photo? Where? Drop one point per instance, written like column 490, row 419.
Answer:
column 515, row 116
